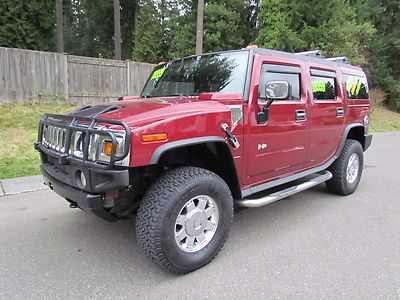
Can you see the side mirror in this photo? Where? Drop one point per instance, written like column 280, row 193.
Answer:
column 274, row 90
column 277, row 90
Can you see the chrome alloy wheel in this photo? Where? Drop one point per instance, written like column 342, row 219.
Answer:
column 196, row 223
column 353, row 167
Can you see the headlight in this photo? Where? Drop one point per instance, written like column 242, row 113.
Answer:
column 100, row 147
column 105, row 147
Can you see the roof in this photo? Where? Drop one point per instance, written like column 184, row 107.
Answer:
column 319, row 60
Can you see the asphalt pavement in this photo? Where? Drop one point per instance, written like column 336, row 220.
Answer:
column 312, row 245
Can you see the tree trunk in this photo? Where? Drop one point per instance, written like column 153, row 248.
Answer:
column 117, row 29
column 199, row 31
column 60, row 26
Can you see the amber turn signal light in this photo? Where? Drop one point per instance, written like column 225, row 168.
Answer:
column 107, row 148
column 154, row 137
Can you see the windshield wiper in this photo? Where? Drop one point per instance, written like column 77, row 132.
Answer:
column 174, row 95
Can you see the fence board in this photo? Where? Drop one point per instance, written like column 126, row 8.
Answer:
column 35, row 76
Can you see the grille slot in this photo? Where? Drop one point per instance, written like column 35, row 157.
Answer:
column 54, row 138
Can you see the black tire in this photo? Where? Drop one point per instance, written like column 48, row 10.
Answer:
column 160, row 207
column 339, row 184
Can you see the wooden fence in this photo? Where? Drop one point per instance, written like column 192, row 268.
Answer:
column 35, row 76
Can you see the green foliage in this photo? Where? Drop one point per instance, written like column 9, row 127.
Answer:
column 148, row 38
column 27, row 24
column 222, row 30
column 366, row 31
column 89, row 27
column 385, row 49
column 330, row 26
column 275, row 31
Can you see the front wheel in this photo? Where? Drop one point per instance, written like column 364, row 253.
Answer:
column 347, row 169
column 184, row 219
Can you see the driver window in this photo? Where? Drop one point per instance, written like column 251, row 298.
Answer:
column 292, row 78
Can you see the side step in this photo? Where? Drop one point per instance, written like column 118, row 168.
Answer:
column 322, row 177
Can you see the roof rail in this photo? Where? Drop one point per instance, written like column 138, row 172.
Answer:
column 342, row 59
column 313, row 53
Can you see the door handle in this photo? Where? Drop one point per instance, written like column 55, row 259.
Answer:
column 301, row 114
column 340, row 112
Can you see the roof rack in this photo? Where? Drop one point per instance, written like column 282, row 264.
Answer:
column 342, row 59
column 313, row 53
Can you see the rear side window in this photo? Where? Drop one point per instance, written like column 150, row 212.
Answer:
column 356, row 86
column 291, row 76
column 323, row 88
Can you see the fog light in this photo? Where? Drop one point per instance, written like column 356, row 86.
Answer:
column 81, row 179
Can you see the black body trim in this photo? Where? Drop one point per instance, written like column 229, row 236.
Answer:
column 344, row 136
column 91, row 203
column 177, row 144
column 98, row 180
column 367, row 141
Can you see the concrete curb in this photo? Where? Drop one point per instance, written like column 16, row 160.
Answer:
column 21, row 185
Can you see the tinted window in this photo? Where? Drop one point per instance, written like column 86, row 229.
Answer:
column 292, row 79
column 323, row 88
column 224, row 72
column 356, row 86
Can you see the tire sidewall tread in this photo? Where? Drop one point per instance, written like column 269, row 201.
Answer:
column 338, row 184
column 162, row 203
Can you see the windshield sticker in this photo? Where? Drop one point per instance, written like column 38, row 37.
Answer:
column 157, row 74
column 319, row 86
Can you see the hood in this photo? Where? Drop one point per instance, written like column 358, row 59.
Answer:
column 143, row 111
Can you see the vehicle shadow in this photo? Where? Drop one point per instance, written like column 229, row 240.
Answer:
column 112, row 247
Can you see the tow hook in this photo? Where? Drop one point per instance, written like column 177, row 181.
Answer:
column 232, row 139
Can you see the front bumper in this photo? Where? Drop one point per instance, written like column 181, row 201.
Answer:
column 88, row 201
column 367, row 141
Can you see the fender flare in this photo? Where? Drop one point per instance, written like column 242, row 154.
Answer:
column 232, row 180
column 182, row 143
column 344, row 136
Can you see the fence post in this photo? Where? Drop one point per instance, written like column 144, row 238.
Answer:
column 65, row 75
column 128, row 78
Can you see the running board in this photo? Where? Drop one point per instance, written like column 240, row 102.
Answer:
column 322, row 177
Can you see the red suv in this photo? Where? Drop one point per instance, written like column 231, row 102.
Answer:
column 207, row 133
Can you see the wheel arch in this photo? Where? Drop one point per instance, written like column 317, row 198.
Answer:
column 211, row 153
column 355, row 131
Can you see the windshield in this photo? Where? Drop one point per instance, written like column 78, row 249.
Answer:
column 221, row 72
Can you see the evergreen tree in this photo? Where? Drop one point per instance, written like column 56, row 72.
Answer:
column 275, row 27
column 327, row 25
column 27, row 24
column 385, row 49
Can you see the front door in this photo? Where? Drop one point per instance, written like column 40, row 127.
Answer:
column 279, row 146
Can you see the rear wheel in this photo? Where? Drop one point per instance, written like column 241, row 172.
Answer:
column 347, row 169
column 184, row 219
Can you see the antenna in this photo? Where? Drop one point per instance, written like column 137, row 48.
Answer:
column 313, row 53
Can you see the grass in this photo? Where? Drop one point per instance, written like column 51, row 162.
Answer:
column 383, row 119
column 18, row 132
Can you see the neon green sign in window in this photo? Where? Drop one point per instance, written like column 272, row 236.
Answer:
column 319, row 86
column 157, row 73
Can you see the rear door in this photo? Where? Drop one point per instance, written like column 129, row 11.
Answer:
column 326, row 115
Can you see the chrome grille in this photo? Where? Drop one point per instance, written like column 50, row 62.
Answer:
column 54, row 137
